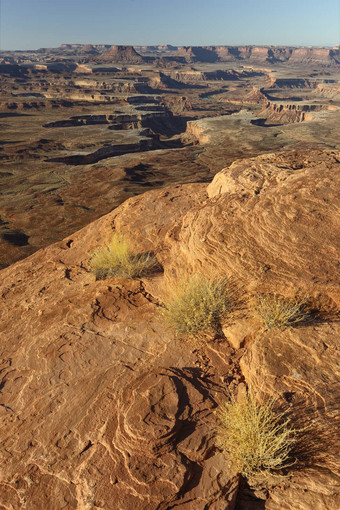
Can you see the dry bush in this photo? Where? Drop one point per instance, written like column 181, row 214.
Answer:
column 278, row 312
column 199, row 304
column 119, row 259
column 258, row 440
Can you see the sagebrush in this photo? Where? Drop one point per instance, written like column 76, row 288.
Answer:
column 198, row 304
column 258, row 440
column 278, row 312
column 118, row 258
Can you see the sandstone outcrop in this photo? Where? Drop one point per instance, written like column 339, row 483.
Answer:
column 103, row 407
column 286, row 113
column 121, row 54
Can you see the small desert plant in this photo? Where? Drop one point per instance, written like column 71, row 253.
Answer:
column 119, row 259
column 258, row 440
column 278, row 312
column 199, row 304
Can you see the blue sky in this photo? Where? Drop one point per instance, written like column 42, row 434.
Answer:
column 31, row 24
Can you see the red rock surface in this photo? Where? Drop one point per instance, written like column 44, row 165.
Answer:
column 103, row 407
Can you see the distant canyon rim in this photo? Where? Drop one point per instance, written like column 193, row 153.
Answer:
column 84, row 127
column 216, row 161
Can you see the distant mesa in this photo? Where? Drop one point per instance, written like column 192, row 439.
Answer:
column 85, row 48
column 121, row 54
column 198, row 53
column 315, row 55
column 258, row 54
column 104, row 53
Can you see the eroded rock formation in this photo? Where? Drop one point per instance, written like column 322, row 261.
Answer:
column 103, row 407
column 121, row 54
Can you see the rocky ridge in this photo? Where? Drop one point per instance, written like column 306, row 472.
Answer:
column 101, row 403
column 121, row 54
column 208, row 54
column 271, row 54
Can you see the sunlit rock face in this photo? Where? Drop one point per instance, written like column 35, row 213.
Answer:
column 101, row 402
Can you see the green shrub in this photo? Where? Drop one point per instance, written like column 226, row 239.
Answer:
column 278, row 312
column 257, row 439
column 199, row 304
column 119, row 259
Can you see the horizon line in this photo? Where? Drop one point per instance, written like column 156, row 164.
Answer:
column 330, row 46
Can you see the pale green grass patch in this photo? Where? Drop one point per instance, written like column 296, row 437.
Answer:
column 258, row 440
column 118, row 258
column 198, row 304
column 278, row 312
